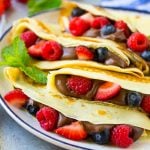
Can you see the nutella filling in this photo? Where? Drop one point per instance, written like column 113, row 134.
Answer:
column 61, row 81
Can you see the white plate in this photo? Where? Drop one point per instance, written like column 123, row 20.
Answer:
column 28, row 122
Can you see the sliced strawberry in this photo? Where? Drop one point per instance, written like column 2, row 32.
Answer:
column 84, row 53
column 29, row 38
column 16, row 98
column 107, row 90
column 74, row 131
column 36, row 50
column 48, row 118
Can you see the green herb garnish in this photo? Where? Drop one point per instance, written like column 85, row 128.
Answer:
column 15, row 55
column 37, row 6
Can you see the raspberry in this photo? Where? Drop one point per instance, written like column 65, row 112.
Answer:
column 120, row 136
column 79, row 85
column 48, row 118
column 99, row 22
column 78, row 26
column 137, row 42
column 146, row 104
column 121, row 25
column 84, row 53
column 29, row 38
column 51, row 50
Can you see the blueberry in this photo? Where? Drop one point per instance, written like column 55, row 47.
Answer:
column 32, row 109
column 146, row 55
column 133, row 98
column 101, row 137
column 101, row 54
column 77, row 12
column 107, row 29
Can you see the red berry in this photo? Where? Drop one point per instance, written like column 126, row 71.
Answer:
column 2, row 8
column 120, row 136
column 84, row 53
column 74, row 131
column 48, row 118
column 7, row 4
column 121, row 25
column 16, row 98
column 78, row 26
column 146, row 104
column 79, row 85
column 29, row 38
column 36, row 50
column 99, row 22
column 107, row 90
column 51, row 50
column 137, row 42
column 23, row 1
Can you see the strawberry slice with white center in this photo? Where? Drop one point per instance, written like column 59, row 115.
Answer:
column 84, row 53
column 36, row 50
column 107, row 90
column 16, row 98
column 74, row 131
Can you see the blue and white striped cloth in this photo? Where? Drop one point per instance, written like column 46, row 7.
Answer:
column 134, row 5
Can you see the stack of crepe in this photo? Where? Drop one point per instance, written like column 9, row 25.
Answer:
column 130, row 72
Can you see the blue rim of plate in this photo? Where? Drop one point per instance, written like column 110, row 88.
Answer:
column 26, row 124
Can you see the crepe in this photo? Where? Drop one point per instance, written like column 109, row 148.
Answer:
column 134, row 64
column 101, row 113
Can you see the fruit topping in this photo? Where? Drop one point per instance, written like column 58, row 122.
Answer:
column 74, row 131
column 120, row 136
column 29, row 38
column 16, row 98
column 79, row 85
column 107, row 90
column 101, row 137
column 121, row 25
column 146, row 104
column 78, row 26
column 101, row 54
column 36, row 50
column 48, row 118
column 7, row 4
column 137, row 42
column 32, row 109
column 107, row 29
column 76, row 12
column 99, row 22
column 146, row 55
column 51, row 50
column 133, row 98
column 84, row 53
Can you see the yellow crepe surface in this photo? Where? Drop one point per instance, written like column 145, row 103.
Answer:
column 45, row 32
column 96, row 113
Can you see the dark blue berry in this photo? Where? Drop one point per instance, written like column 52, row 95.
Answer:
column 107, row 29
column 101, row 137
column 101, row 54
column 146, row 55
column 32, row 109
column 134, row 98
column 77, row 12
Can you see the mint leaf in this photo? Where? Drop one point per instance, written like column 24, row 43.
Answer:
column 37, row 6
column 35, row 74
column 16, row 54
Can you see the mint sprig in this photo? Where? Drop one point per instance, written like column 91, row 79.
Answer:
column 15, row 55
column 37, row 6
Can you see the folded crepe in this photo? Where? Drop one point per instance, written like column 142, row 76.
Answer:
column 123, row 60
column 91, row 113
column 134, row 23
